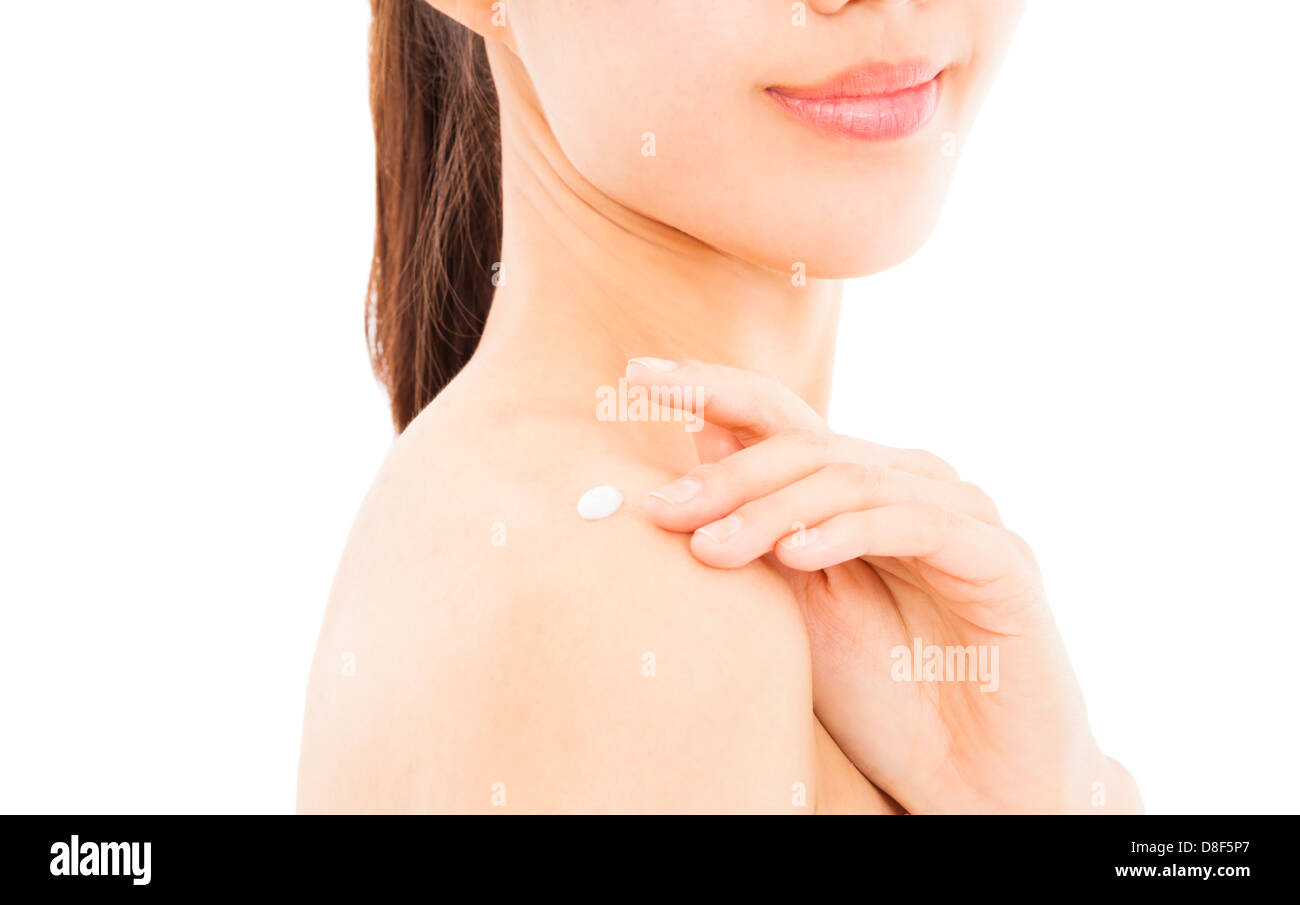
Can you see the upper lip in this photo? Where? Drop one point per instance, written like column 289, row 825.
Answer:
column 871, row 79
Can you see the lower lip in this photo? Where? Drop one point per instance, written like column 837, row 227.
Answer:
column 871, row 118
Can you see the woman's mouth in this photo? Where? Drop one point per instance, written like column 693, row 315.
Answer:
column 875, row 102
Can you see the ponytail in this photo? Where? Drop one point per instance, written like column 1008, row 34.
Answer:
column 438, row 200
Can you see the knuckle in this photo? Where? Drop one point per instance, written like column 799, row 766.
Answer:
column 981, row 503
column 933, row 465
column 815, row 442
column 863, row 477
column 1023, row 548
column 1025, row 575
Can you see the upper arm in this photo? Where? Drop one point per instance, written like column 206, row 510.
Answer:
column 594, row 668
column 672, row 687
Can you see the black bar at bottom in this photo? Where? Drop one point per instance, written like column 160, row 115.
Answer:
column 378, row 854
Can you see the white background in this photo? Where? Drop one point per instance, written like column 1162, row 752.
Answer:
column 1101, row 333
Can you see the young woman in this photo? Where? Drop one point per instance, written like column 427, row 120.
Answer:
column 577, row 192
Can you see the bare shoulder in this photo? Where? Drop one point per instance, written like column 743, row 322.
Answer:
column 485, row 648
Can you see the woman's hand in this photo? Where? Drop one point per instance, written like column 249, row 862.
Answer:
column 937, row 666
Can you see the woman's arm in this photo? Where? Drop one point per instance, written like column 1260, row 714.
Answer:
column 577, row 667
column 937, row 665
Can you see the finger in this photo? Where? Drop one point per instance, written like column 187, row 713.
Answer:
column 952, row 543
column 708, row 492
column 751, row 405
column 755, row 407
column 753, row 529
column 713, row 443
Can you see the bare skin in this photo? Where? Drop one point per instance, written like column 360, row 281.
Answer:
column 523, row 663
column 487, row 650
column 889, row 552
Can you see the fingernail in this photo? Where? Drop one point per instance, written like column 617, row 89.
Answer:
column 721, row 531
column 800, row 539
column 654, row 364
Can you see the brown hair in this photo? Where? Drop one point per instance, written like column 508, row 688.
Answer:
column 438, row 199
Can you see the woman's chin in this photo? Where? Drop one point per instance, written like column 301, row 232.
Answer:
column 838, row 259
column 839, row 248
column 864, row 265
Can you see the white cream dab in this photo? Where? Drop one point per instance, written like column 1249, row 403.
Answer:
column 599, row 502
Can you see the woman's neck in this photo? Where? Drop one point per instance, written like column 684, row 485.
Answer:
column 586, row 284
